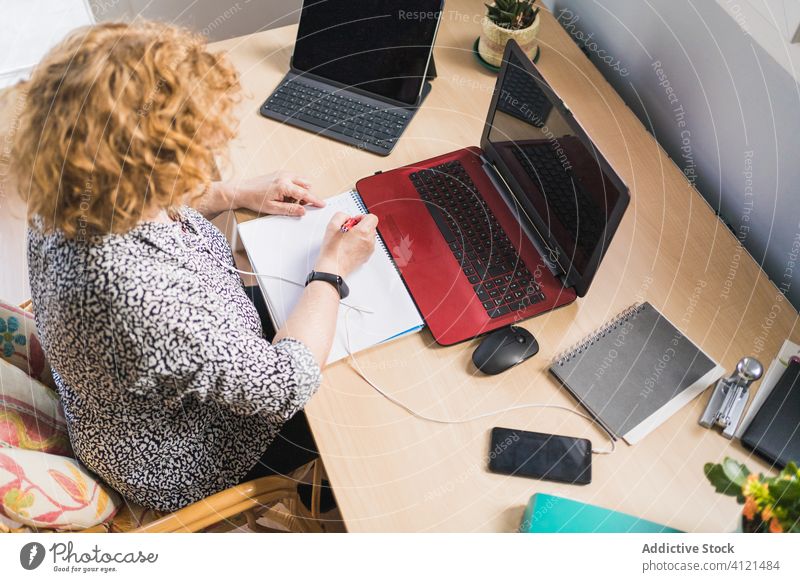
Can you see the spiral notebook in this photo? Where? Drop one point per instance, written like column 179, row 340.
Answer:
column 288, row 247
column 635, row 372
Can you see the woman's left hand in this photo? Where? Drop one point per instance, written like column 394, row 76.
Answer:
column 276, row 193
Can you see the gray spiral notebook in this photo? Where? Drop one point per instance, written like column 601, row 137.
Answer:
column 635, row 372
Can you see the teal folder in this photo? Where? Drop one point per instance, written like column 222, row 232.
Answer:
column 550, row 514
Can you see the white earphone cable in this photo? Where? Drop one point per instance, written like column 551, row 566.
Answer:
column 234, row 269
column 363, row 375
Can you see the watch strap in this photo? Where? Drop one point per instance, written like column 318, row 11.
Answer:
column 335, row 280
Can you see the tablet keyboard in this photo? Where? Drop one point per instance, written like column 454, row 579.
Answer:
column 341, row 115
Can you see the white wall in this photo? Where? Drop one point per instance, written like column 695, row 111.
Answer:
column 735, row 126
column 216, row 20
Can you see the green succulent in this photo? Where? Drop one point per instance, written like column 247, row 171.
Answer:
column 513, row 14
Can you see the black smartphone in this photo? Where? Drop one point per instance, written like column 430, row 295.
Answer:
column 542, row 456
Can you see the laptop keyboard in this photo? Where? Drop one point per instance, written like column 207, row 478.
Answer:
column 488, row 260
column 340, row 113
column 529, row 103
column 572, row 205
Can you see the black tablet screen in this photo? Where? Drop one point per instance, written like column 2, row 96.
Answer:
column 381, row 47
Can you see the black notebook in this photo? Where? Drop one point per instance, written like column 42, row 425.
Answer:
column 774, row 432
column 635, row 372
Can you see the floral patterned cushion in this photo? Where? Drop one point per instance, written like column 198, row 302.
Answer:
column 52, row 492
column 20, row 345
column 31, row 416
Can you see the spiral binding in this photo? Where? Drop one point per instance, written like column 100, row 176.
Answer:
column 359, row 202
column 593, row 337
column 363, row 209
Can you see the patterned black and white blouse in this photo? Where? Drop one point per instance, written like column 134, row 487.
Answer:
column 169, row 389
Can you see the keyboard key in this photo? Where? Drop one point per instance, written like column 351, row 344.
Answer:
column 499, row 312
column 441, row 223
column 519, row 305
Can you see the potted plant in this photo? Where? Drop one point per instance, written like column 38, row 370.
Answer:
column 771, row 504
column 506, row 19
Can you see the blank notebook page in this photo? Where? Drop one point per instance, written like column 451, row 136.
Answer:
column 288, row 247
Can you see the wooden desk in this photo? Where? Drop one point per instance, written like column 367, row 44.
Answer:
column 392, row 472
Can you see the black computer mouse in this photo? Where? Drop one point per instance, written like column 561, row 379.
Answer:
column 503, row 349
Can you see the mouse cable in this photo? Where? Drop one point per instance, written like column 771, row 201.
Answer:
column 363, row 375
column 357, row 368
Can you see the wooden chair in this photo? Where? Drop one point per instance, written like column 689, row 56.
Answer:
column 253, row 499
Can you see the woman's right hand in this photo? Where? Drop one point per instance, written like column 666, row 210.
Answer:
column 343, row 252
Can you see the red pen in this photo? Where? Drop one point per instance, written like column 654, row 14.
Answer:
column 351, row 222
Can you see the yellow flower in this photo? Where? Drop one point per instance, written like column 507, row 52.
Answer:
column 747, row 488
column 775, row 526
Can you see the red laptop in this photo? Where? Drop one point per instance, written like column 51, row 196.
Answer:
column 485, row 237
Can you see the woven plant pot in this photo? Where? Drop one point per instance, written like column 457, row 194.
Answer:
column 494, row 38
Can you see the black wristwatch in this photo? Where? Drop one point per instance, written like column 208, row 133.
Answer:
column 334, row 280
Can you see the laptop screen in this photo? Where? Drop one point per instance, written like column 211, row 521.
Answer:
column 559, row 179
column 380, row 47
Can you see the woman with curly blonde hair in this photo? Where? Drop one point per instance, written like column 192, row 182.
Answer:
column 170, row 389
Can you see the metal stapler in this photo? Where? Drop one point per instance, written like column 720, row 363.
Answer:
column 726, row 405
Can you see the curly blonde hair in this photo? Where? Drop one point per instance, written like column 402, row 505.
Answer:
column 122, row 120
